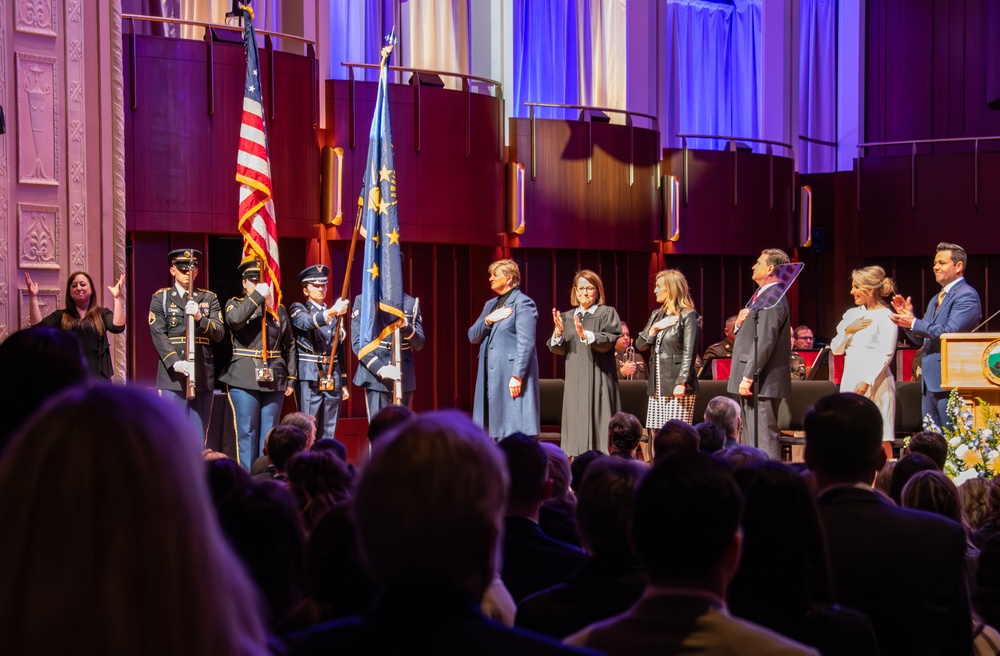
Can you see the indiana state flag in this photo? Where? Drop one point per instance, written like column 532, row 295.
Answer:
column 382, row 280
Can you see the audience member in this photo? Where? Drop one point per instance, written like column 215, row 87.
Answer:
column 904, row 471
column 883, row 479
column 39, row 363
column 711, row 438
column 555, row 517
column 803, row 338
column 262, row 526
column 209, row 455
column 532, row 560
column 283, row 442
column 578, row 467
column 429, row 509
column 624, row 433
column 903, row 568
column 388, row 417
column 110, row 542
column 933, row 492
column 224, row 476
column 930, row 444
column 741, row 455
column 334, row 447
column 724, row 412
column 304, row 422
column 612, row 580
column 686, row 532
column 986, row 595
column 675, row 438
column 787, row 589
column 972, row 495
column 318, row 481
column 991, row 524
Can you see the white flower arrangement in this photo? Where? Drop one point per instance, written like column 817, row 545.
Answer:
column 972, row 453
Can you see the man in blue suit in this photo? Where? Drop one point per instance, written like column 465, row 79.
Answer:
column 507, row 395
column 955, row 309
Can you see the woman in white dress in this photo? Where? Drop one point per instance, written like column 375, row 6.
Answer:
column 867, row 337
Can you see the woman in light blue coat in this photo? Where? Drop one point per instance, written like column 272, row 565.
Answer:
column 506, row 399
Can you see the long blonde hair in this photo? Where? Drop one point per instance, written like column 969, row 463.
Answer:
column 678, row 292
column 873, row 279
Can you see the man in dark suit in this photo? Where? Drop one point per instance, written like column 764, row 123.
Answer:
column 686, row 532
column 168, row 312
column 955, row 309
column 904, row 569
column 375, row 371
column 773, row 351
column 532, row 561
column 429, row 510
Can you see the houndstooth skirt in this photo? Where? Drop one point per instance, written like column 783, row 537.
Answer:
column 662, row 409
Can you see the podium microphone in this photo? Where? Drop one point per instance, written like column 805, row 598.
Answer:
column 988, row 319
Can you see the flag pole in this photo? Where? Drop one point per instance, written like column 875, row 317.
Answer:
column 327, row 383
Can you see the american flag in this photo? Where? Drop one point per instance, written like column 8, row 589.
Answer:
column 253, row 172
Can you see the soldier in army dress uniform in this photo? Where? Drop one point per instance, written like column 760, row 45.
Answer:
column 257, row 388
column 168, row 312
column 313, row 324
column 375, row 372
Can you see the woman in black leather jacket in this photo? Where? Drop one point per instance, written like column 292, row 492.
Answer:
column 672, row 332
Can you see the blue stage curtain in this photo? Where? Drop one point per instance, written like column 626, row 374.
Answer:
column 357, row 34
column 817, row 84
column 712, row 70
column 547, row 55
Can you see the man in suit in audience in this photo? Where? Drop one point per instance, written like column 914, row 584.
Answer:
column 725, row 413
column 686, row 532
column 904, row 569
column 955, row 309
column 532, row 561
column 429, row 510
column 612, row 580
column 770, row 356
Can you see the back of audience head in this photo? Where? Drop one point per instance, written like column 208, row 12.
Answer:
column 930, row 444
column 335, row 570
column 711, row 438
column 776, row 587
column 725, row 413
column 883, row 479
column 305, row 422
column 933, row 492
column 686, row 521
column 38, row 364
column 262, row 525
column 283, row 442
column 224, row 476
column 388, row 417
column 986, row 595
column 430, row 504
column 107, row 516
column 624, row 433
column 604, row 506
column 318, row 481
column 993, row 501
column 972, row 494
column 579, row 467
column 528, row 472
column 844, row 439
column 334, row 447
column 675, row 438
column 559, row 471
column 741, row 455
column 904, row 471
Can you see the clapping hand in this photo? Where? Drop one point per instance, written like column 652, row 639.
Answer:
column 903, row 307
column 557, row 320
column 578, row 324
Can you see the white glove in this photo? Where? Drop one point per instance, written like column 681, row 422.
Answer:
column 183, row 367
column 192, row 308
column 263, row 289
column 340, row 307
column 390, row 372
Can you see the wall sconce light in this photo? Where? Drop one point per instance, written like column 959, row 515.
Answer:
column 805, row 216
column 331, row 211
column 515, row 198
column 671, row 190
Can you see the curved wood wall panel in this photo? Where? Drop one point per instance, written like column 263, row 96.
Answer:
column 182, row 135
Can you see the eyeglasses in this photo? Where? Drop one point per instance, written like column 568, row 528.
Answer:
column 586, row 290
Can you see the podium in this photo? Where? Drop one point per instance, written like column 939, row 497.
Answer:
column 971, row 363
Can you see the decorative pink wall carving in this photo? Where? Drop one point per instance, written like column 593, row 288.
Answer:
column 49, row 300
column 76, row 145
column 6, row 317
column 37, row 119
column 38, row 243
column 35, row 16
